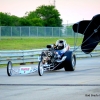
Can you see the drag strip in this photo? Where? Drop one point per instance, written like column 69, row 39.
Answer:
column 84, row 83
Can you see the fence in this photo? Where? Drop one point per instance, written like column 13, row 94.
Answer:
column 23, row 56
column 32, row 31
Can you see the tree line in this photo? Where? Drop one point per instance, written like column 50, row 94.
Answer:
column 47, row 16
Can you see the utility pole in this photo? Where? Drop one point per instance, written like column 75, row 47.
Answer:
column 54, row 2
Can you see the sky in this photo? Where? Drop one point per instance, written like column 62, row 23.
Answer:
column 71, row 11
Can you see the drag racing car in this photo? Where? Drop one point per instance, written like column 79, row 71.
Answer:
column 57, row 56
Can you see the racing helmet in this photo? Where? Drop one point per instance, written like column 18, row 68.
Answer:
column 61, row 44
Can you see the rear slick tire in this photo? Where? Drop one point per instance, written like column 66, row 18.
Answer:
column 70, row 61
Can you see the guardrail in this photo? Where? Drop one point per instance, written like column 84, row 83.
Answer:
column 24, row 56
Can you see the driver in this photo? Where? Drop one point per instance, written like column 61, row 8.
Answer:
column 61, row 46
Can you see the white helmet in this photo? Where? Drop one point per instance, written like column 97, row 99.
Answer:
column 61, row 44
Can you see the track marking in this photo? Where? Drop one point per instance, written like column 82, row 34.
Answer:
column 49, row 84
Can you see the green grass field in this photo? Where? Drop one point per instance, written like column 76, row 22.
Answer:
column 32, row 43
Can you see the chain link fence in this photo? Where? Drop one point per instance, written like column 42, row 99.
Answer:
column 32, row 31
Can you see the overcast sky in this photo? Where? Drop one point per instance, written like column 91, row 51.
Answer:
column 71, row 10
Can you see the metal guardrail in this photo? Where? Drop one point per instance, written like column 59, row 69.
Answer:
column 24, row 56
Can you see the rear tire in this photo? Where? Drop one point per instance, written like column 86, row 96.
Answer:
column 70, row 62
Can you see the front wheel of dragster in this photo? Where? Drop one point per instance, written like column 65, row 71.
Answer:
column 9, row 68
column 40, row 68
column 70, row 61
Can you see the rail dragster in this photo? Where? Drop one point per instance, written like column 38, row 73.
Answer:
column 57, row 56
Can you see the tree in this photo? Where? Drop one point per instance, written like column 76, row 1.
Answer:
column 34, row 19
column 42, row 16
column 36, row 22
column 30, row 15
column 14, row 20
column 5, row 19
column 24, row 22
column 49, row 15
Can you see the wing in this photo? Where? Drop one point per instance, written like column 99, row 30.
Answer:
column 91, row 31
column 80, row 27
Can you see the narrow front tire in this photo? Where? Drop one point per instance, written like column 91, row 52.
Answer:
column 9, row 68
column 40, row 68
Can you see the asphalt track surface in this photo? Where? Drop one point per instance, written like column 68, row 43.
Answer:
column 83, row 83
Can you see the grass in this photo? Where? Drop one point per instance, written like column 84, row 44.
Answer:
column 32, row 43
